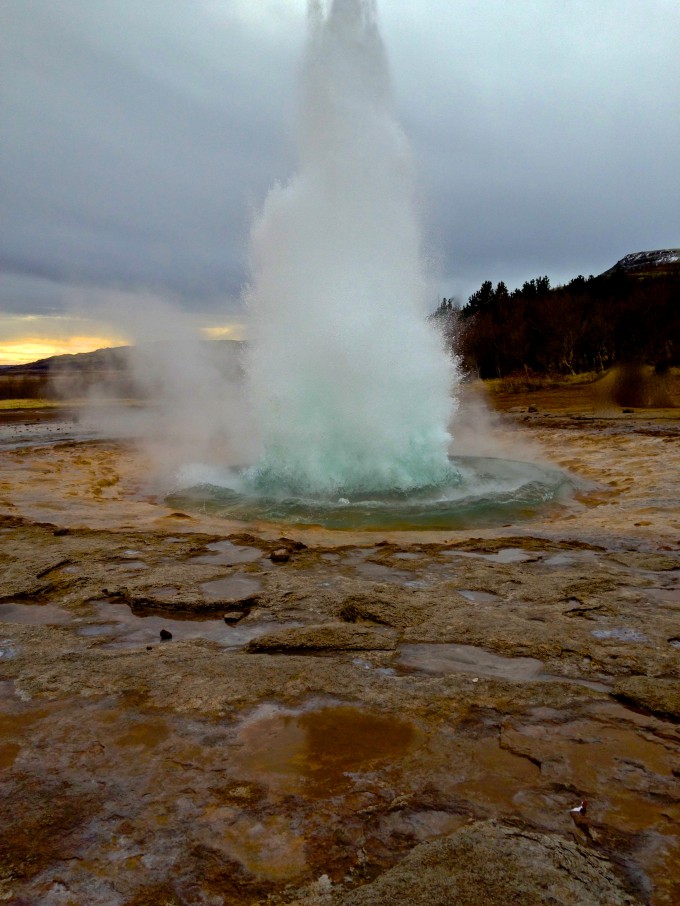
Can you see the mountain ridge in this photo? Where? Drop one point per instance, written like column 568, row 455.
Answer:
column 647, row 263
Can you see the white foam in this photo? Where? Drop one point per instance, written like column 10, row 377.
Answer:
column 350, row 383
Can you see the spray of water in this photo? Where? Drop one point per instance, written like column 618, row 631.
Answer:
column 351, row 387
column 349, row 392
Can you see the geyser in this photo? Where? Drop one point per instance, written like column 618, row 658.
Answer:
column 350, row 384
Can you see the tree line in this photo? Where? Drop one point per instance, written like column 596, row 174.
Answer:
column 589, row 324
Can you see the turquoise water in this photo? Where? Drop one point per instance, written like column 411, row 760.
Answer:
column 478, row 492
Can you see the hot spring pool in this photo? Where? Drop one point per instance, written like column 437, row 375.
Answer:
column 486, row 492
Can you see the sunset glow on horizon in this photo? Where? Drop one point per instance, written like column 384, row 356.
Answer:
column 30, row 349
column 29, row 338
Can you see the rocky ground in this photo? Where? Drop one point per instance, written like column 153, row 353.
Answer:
column 344, row 718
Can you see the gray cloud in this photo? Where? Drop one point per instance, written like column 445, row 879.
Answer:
column 139, row 137
column 548, row 133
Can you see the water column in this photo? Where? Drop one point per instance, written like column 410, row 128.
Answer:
column 350, row 383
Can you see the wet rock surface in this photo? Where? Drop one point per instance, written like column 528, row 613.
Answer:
column 326, row 637
column 487, row 862
column 400, row 718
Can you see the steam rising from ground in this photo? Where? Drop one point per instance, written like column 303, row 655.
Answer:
column 338, row 409
column 347, row 385
column 350, row 384
column 180, row 398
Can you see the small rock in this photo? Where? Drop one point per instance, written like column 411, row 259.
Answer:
column 233, row 616
column 149, row 647
column 280, row 555
column 58, row 533
column 292, row 544
column 628, row 411
column 532, row 409
column 165, row 635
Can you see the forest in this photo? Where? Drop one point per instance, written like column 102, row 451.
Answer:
column 587, row 325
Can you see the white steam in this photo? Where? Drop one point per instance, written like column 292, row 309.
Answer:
column 350, row 384
column 348, row 388
column 180, row 398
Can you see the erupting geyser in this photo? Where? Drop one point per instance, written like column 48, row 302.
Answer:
column 351, row 385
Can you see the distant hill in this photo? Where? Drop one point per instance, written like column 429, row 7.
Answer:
column 115, row 358
column 647, row 264
column 118, row 372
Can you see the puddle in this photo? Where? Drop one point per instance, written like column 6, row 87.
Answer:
column 559, row 560
column 266, row 845
column 664, row 595
column 511, row 555
column 505, row 555
column 595, row 685
column 9, row 752
column 442, row 657
column 381, row 573
column 224, row 553
column 357, row 560
column 7, row 650
column 93, row 630
column 130, row 630
column 231, row 588
column 34, row 614
column 15, row 722
column 479, row 597
column 568, row 558
column 351, row 558
column 119, row 628
column 620, row 634
column 147, row 733
column 612, row 757
column 320, row 750
column 366, row 665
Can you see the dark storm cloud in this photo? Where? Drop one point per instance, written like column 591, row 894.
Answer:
column 138, row 137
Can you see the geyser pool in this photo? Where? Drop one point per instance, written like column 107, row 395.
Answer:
column 484, row 492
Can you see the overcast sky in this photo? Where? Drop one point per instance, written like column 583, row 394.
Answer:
column 137, row 138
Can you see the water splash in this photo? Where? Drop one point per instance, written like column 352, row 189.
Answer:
column 350, row 384
column 485, row 492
